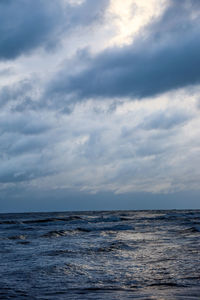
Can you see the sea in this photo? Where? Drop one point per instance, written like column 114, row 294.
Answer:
column 100, row 255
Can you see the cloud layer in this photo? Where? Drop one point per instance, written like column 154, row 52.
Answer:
column 57, row 138
column 27, row 25
column 161, row 59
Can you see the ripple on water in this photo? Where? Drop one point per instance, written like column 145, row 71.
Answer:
column 100, row 255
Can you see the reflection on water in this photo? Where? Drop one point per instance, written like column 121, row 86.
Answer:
column 100, row 255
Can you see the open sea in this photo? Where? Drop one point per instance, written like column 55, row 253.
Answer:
column 100, row 255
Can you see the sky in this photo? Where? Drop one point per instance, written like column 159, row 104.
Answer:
column 99, row 105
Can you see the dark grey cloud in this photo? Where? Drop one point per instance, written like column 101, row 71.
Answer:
column 21, row 171
column 26, row 25
column 22, row 156
column 26, row 125
column 165, row 120
column 22, row 96
column 164, row 58
column 15, row 92
column 88, row 12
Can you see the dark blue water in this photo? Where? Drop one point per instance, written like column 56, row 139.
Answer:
column 100, row 255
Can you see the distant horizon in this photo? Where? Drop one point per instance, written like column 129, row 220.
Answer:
column 85, row 211
column 106, row 202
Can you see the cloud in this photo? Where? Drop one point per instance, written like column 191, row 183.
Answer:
column 162, row 58
column 26, row 25
column 6, row 72
column 165, row 120
column 15, row 92
column 86, row 13
column 22, row 96
column 55, row 134
column 25, row 124
column 24, row 141
column 144, row 149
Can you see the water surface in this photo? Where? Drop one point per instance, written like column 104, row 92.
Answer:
column 100, row 255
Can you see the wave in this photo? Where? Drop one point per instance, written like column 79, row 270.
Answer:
column 82, row 229
column 114, row 246
column 192, row 229
column 119, row 227
column 57, row 252
column 9, row 222
column 55, row 233
column 17, row 237
column 103, row 219
column 166, row 284
column 49, row 220
column 40, row 221
column 60, row 233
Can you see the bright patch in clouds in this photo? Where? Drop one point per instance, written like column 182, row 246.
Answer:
column 130, row 16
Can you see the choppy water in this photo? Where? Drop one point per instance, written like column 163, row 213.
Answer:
column 100, row 255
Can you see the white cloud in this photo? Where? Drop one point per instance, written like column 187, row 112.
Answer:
column 130, row 16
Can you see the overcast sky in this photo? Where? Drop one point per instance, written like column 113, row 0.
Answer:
column 99, row 104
